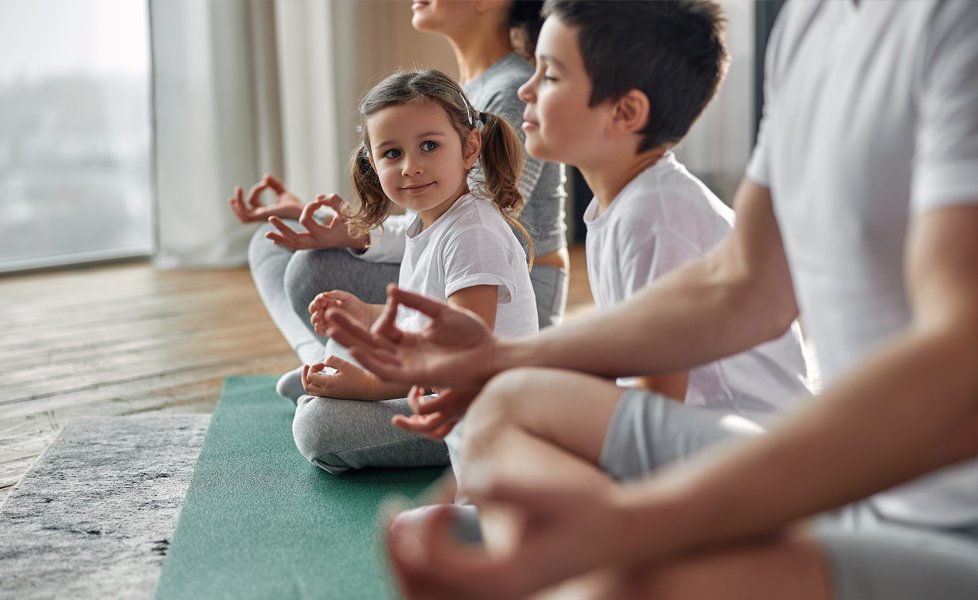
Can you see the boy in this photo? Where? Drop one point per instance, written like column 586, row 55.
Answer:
column 617, row 85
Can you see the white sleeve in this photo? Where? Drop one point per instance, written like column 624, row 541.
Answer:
column 387, row 243
column 945, row 168
column 476, row 256
column 757, row 166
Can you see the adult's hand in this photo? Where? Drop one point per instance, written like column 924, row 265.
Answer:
column 455, row 349
column 317, row 236
column 563, row 530
column 286, row 205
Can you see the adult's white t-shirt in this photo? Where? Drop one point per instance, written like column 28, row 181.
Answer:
column 470, row 244
column 871, row 119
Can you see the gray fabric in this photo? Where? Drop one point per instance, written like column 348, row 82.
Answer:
column 269, row 264
column 94, row 516
column 870, row 557
column 648, row 430
column 338, row 435
column 550, row 289
column 289, row 386
column 874, row 558
column 542, row 183
column 311, row 272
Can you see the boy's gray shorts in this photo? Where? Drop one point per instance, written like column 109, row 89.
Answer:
column 870, row 557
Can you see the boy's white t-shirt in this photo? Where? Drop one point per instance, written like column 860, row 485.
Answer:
column 663, row 218
column 470, row 244
column 871, row 119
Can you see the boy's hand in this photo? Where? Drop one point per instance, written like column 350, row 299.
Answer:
column 355, row 308
column 347, row 381
column 286, row 205
column 434, row 417
column 317, row 236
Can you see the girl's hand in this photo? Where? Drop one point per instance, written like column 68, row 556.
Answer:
column 286, row 205
column 347, row 381
column 355, row 308
column 317, row 236
column 435, row 417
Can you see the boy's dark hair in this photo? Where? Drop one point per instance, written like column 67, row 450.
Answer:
column 524, row 21
column 671, row 50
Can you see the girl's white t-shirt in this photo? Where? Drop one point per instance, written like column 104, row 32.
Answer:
column 470, row 244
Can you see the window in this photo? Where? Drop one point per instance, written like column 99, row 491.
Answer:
column 75, row 132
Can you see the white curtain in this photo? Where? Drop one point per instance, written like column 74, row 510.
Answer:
column 719, row 144
column 248, row 87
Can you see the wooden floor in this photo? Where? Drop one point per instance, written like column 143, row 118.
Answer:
column 128, row 339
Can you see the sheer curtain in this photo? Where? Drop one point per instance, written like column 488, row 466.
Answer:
column 244, row 88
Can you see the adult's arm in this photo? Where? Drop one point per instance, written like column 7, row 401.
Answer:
column 735, row 298
column 738, row 296
column 921, row 389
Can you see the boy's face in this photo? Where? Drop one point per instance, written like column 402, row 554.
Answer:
column 559, row 124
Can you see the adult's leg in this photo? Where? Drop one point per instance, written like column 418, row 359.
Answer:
column 550, row 287
column 789, row 566
column 269, row 264
column 554, row 423
column 850, row 554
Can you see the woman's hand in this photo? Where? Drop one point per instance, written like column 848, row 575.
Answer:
column 286, row 205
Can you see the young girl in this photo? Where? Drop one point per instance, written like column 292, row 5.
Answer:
column 421, row 137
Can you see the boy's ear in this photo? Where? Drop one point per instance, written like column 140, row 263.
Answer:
column 473, row 145
column 631, row 112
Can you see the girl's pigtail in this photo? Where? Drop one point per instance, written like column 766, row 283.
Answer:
column 374, row 204
column 502, row 163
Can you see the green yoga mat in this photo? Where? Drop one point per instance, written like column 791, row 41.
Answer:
column 259, row 521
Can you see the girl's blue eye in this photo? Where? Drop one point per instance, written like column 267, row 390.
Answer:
column 392, row 153
column 429, row 146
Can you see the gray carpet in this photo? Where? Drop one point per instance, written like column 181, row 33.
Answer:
column 94, row 516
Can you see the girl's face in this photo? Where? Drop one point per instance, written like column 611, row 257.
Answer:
column 419, row 157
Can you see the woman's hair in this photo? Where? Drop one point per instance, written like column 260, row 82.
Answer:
column 501, row 155
column 524, row 21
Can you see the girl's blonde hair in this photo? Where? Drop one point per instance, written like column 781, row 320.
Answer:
column 501, row 155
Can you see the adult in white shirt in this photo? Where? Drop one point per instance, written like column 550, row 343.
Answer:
column 860, row 210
